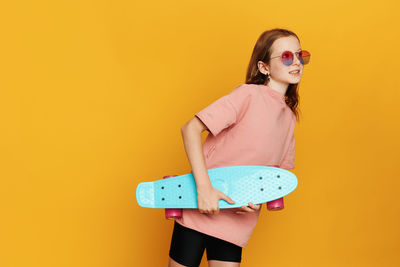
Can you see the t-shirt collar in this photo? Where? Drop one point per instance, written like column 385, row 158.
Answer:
column 277, row 95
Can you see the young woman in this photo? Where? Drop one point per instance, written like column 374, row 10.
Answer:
column 252, row 125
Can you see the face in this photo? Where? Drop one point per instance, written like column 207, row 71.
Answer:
column 279, row 72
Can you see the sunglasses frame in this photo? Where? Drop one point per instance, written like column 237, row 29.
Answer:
column 297, row 55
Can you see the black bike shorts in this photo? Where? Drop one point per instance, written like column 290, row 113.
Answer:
column 187, row 247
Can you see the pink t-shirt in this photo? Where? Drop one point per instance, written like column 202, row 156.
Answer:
column 252, row 125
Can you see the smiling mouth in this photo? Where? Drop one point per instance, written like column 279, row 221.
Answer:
column 294, row 72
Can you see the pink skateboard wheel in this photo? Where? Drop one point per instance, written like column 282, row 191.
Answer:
column 276, row 204
column 172, row 213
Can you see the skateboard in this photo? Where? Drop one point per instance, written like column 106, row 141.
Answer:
column 243, row 184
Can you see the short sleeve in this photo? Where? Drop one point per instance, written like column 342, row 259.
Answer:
column 226, row 110
column 288, row 160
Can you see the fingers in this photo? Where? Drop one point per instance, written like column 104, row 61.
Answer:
column 242, row 210
column 209, row 208
column 227, row 199
column 254, row 207
column 245, row 209
column 211, row 211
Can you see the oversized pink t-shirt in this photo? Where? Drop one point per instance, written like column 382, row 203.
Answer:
column 252, row 125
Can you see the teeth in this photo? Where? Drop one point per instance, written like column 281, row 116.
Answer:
column 297, row 71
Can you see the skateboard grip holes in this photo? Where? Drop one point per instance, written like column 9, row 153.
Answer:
column 162, row 187
column 260, row 178
column 280, row 188
column 179, row 186
column 163, row 199
column 180, row 197
column 262, row 189
column 278, row 176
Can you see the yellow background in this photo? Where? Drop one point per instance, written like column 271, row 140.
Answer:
column 93, row 95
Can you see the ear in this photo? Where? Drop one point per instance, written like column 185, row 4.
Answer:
column 262, row 67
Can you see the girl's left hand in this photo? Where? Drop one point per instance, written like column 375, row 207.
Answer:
column 252, row 208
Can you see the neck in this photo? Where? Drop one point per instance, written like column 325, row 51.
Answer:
column 277, row 86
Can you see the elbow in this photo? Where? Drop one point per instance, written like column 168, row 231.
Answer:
column 185, row 128
column 189, row 126
column 194, row 126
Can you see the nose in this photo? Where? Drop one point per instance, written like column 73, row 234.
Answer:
column 296, row 61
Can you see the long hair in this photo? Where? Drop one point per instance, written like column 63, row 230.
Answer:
column 262, row 52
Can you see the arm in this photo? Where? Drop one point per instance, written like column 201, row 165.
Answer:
column 207, row 196
column 191, row 135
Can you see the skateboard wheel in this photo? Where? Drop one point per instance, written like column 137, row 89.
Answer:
column 276, row 204
column 172, row 213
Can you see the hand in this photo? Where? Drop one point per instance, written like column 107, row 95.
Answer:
column 252, row 208
column 207, row 199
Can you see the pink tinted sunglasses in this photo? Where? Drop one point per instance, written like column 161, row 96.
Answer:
column 287, row 57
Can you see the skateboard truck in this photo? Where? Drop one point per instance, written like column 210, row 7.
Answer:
column 273, row 205
column 276, row 204
column 172, row 213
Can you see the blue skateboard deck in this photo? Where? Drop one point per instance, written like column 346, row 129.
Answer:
column 243, row 184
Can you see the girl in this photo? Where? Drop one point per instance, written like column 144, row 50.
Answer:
column 252, row 125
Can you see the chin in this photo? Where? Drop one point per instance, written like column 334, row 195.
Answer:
column 295, row 81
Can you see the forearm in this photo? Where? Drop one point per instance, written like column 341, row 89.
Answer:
column 194, row 151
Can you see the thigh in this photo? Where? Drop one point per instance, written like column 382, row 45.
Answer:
column 221, row 250
column 187, row 246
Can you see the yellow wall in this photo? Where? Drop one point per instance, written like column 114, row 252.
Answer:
column 93, row 95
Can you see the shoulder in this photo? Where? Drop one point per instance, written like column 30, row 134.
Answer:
column 244, row 90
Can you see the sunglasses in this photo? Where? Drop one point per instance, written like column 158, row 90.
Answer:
column 287, row 57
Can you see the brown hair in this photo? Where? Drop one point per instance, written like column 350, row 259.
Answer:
column 262, row 52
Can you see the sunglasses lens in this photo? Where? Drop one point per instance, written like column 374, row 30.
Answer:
column 304, row 57
column 287, row 58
